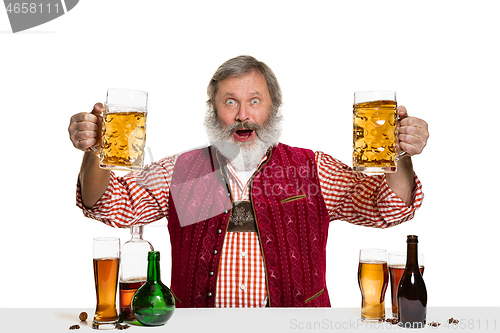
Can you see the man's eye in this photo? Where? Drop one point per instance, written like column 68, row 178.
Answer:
column 255, row 101
column 230, row 102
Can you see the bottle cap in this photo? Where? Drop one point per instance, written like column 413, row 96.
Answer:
column 412, row 239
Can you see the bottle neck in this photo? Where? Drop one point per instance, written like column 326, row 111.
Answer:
column 136, row 231
column 412, row 255
column 153, row 270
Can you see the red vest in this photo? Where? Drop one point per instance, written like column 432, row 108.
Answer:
column 292, row 222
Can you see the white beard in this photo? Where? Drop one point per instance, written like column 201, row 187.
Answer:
column 243, row 156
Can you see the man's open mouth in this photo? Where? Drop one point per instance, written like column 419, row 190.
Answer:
column 243, row 134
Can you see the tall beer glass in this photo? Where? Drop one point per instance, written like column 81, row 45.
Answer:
column 397, row 264
column 375, row 136
column 123, row 130
column 106, row 263
column 373, row 279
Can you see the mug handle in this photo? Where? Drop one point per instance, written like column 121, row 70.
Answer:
column 95, row 151
column 402, row 152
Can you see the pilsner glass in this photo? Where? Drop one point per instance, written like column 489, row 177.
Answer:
column 375, row 132
column 106, row 264
column 373, row 278
column 397, row 264
column 123, row 130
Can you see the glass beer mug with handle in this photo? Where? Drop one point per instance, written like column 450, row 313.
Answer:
column 123, row 133
column 375, row 132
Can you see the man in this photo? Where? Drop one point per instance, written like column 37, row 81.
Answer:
column 248, row 216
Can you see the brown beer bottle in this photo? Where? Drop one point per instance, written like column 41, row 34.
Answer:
column 412, row 294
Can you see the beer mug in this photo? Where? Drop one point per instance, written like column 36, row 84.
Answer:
column 375, row 132
column 106, row 264
column 397, row 264
column 123, row 134
column 373, row 279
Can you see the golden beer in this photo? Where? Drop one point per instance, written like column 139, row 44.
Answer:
column 374, row 136
column 373, row 278
column 106, row 280
column 123, row 140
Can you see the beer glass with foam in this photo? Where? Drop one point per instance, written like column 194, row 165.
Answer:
column 106, row 264
column 375, row 132
column 123, row 133
column 396, row 264
column 373, row 278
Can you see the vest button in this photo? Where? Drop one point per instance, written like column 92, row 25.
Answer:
column 215, row 252
column 211, row 273
column 209, row 295
column 219, row 231
column 225, row 212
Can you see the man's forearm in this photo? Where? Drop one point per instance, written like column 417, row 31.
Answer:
column 93, row 180
column 402, row 182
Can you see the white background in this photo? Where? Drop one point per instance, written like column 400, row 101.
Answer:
column 442, row 58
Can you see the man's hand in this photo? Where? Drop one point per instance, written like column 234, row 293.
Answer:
column 85, row 132
column 413, row 133
column 85, row 128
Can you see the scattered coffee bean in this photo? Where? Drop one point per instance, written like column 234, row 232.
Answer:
column 434, row 324
column 119, row 326
column 453, row 321
column 74, row 327
column 393, row 321
column 83, row 316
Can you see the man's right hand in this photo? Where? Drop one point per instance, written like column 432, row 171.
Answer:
column 85, row 128
column 85, row 132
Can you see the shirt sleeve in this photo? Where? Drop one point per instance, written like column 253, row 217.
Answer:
column 138, row 197
column 361, row 199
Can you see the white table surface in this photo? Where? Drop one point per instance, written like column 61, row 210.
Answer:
column 274, row 320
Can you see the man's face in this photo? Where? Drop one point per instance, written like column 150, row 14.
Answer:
column 243, row 101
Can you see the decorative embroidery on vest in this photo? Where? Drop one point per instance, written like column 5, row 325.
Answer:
column 242, row 218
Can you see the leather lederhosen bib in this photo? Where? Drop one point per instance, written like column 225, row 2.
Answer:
column 242, row 218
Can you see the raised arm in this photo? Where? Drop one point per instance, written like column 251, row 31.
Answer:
column 413, row 135
column 84, row 131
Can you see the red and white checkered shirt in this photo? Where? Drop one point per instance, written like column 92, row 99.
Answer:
column 350, row 196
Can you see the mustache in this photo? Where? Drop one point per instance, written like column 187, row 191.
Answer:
column 241, row 126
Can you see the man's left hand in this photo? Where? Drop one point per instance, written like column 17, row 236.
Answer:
column 413, row 133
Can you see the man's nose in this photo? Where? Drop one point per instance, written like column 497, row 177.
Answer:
column 242, row 114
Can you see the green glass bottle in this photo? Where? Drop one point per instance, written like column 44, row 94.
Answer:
column 153, row 303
